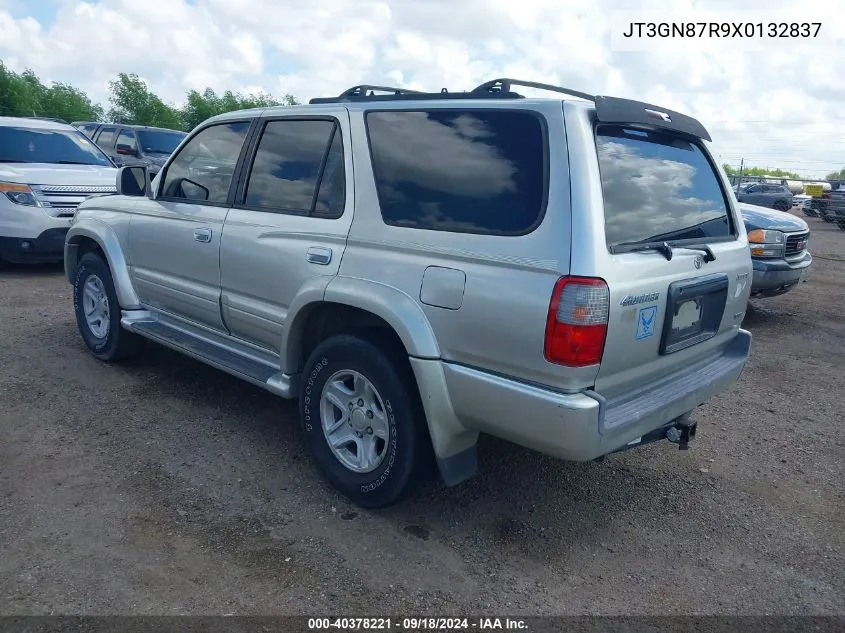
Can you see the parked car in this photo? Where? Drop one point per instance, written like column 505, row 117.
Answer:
column 805, row 203
column 779, row 249
column 568, row 274
column 765, row 195
column 830, row 207
column 46, row 170
column 138, row 144
column 88, row 128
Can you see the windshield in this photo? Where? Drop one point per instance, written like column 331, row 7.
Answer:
column 32, row 145
column 658, row 187
column 159, row 141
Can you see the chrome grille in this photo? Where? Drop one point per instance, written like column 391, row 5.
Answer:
column 796, row 244
column 61, row 200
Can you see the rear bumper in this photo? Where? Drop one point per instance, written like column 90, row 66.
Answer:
column 778, row 276
column 584, row 426
column 46, row 247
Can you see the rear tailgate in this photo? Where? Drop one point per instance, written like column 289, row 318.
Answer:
column 673, row 307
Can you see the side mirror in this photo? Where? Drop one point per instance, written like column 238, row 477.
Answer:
column 133, row 181
column 126, row 150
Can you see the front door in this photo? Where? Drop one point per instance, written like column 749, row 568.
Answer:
column 174, row 239
column 289, row 223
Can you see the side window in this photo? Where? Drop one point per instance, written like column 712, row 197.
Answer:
column 89, row 130
column 470, row 171
column 202, row 171
column 298, row 168
column 105, row 138
column 127, row 137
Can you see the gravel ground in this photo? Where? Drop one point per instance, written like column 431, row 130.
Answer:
column 162, row 486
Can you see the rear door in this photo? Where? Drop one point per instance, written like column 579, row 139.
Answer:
column 288, row 224
column 126, row 148
column 684, row 297
column 105, row 139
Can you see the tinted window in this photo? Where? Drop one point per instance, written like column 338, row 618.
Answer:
column 32, row 145
column 106, row 137
column 203, row 169
column 658, row 187
column 332, row 195
column 159, row 141
column 127, row 137
column 287, row 167
column 478, row 171
column 89, row 130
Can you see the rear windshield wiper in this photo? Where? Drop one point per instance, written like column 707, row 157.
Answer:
column 635, row 247
column 664, row 248
column 708, row 252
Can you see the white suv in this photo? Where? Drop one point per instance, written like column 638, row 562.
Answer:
column 46, row 170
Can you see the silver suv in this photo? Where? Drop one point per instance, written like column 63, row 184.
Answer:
column 569, row 274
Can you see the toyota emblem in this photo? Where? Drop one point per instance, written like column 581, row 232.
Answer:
column 699, row 260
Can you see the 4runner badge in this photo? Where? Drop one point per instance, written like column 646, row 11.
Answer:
column 632, row 300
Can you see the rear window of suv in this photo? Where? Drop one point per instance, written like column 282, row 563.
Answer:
column 466, row 171
column 658, row 187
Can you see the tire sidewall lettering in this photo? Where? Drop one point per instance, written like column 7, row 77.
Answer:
column 309, row 387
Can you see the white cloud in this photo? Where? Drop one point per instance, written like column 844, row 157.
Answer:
column 777, row 107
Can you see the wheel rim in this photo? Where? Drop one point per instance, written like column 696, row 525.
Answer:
column 95, row 305
column 354, row 421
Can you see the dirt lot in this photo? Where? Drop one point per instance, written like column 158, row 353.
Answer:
column 163, row 486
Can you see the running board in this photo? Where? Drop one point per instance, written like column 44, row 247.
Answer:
column 233, row 357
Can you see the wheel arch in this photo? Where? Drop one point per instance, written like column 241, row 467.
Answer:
column 361, row 304
column 97, row 236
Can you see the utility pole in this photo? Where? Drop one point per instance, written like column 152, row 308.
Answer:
column 741, row 163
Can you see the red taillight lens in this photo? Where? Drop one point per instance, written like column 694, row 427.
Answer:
column 576, row 327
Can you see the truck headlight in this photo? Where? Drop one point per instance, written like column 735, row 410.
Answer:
column 19, row 194
column 766, row 243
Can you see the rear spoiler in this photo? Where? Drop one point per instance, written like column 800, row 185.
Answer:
column 616, row 110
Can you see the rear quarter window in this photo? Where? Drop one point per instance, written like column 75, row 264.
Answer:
column 659, row 187
column 466, row 171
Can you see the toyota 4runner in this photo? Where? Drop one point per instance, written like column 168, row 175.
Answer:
column 569, row 274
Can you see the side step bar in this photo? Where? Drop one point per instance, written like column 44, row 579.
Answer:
column 240, row 360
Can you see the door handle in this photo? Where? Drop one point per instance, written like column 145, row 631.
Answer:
column 202, row 235
column 319, row 255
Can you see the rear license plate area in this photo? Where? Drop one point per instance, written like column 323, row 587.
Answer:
column 694, row 310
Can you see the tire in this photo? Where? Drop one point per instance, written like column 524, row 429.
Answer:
column 780, row 205
column 106, row 339
column 398, row 463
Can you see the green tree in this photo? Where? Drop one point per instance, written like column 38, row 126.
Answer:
column 25, row 95
column 836, row 175
column 70, row 103
column 201, row 106
column 132, row 102
column 762, row 171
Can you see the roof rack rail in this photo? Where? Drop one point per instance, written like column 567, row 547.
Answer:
column 502, row 86
column 363, row 89
column 367, row 93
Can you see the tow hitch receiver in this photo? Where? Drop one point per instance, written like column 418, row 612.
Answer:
column 681, row 433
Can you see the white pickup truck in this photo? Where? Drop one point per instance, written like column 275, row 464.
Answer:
column 46, row 170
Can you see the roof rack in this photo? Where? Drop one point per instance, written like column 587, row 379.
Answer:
column 367, row 93
column 501, row 86
column 360, row 91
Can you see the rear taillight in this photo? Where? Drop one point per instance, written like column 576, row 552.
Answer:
column 576, row 327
